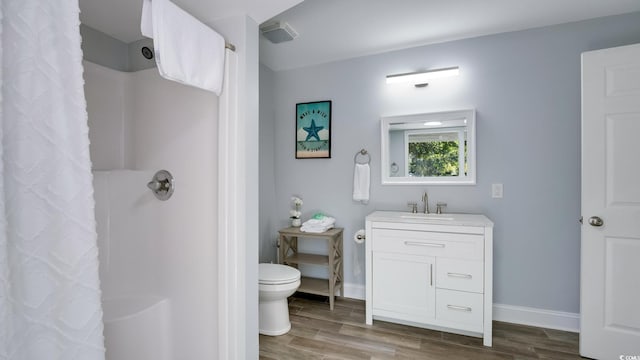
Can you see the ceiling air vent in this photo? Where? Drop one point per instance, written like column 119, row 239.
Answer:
column 277, row 32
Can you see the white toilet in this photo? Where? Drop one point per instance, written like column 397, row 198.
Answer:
column 276, row 283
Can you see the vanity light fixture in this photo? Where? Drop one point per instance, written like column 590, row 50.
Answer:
column 421, row 78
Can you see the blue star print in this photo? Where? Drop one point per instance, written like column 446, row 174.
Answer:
column 312, row 131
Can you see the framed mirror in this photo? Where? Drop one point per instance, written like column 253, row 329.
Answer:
column 431, row 148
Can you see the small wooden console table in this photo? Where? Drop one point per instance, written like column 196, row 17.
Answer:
column 288, row 243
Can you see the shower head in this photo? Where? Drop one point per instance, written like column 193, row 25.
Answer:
column 147, row 53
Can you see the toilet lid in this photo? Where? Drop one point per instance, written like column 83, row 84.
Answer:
column 277, row 274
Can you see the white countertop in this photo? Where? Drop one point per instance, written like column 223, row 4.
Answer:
column 438, row 219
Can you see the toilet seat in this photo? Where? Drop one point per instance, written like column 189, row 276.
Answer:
column 276, row 274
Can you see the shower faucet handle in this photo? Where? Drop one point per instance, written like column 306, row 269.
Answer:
column 162, row 185
column 155, row 185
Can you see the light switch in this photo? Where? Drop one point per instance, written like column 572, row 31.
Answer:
column 496, row 191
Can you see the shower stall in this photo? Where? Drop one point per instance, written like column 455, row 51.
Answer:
column 178, row 278
column 158, row 259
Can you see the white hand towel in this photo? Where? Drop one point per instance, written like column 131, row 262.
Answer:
column 315, row 229
column 186, row 50
column 361, row 180
column 327, row 220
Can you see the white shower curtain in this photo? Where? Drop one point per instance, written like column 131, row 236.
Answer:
column 49, row 287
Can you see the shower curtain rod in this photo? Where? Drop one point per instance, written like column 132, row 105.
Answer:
column 230, row 46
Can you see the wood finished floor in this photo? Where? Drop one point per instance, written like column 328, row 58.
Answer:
column 318, row 333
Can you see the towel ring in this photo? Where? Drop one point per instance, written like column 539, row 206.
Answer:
column 363, row 154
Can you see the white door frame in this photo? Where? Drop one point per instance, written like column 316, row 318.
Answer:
column 231, row 229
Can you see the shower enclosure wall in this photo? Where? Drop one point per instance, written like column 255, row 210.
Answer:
column 157, row 258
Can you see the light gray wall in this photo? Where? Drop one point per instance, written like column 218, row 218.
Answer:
column 250, row 102
column 525, row 87
column 268, row 217
column 396, row 152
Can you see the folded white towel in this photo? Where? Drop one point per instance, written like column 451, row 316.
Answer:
column 186, row 50
column 318, row 224
column 315, row 229
column 361, row 180
column 327, row 220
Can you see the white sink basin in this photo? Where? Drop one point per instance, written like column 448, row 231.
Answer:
column 437, row 217
column 448, row 219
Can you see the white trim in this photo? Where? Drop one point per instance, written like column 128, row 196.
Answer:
column 487, row 301
column 231, row 229
column 549, row 319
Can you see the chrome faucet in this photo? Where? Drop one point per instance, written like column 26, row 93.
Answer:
column 425, row 200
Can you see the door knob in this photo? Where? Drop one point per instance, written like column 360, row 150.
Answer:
column 595, row 221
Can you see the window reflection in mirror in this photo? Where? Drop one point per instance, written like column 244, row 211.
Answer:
column 436, row 152
column 432, row 148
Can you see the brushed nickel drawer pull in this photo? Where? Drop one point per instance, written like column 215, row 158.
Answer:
column 415, row 243
column 431, row 274
column 461, row 308
column 459, row 275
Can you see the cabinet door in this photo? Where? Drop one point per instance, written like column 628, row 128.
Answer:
column 404, row 284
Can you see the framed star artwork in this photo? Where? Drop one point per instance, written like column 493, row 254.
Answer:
column 313, row 130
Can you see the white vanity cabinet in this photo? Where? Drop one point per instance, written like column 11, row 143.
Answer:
column 432, row 271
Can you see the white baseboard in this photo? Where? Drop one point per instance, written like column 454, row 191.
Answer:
column 549, row 319
column 354, row 291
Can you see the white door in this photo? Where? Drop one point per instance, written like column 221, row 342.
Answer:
column 610, row 253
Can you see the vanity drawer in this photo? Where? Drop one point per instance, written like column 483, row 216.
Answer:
column 464, row 275
column 460, row 307
column 451, row 245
